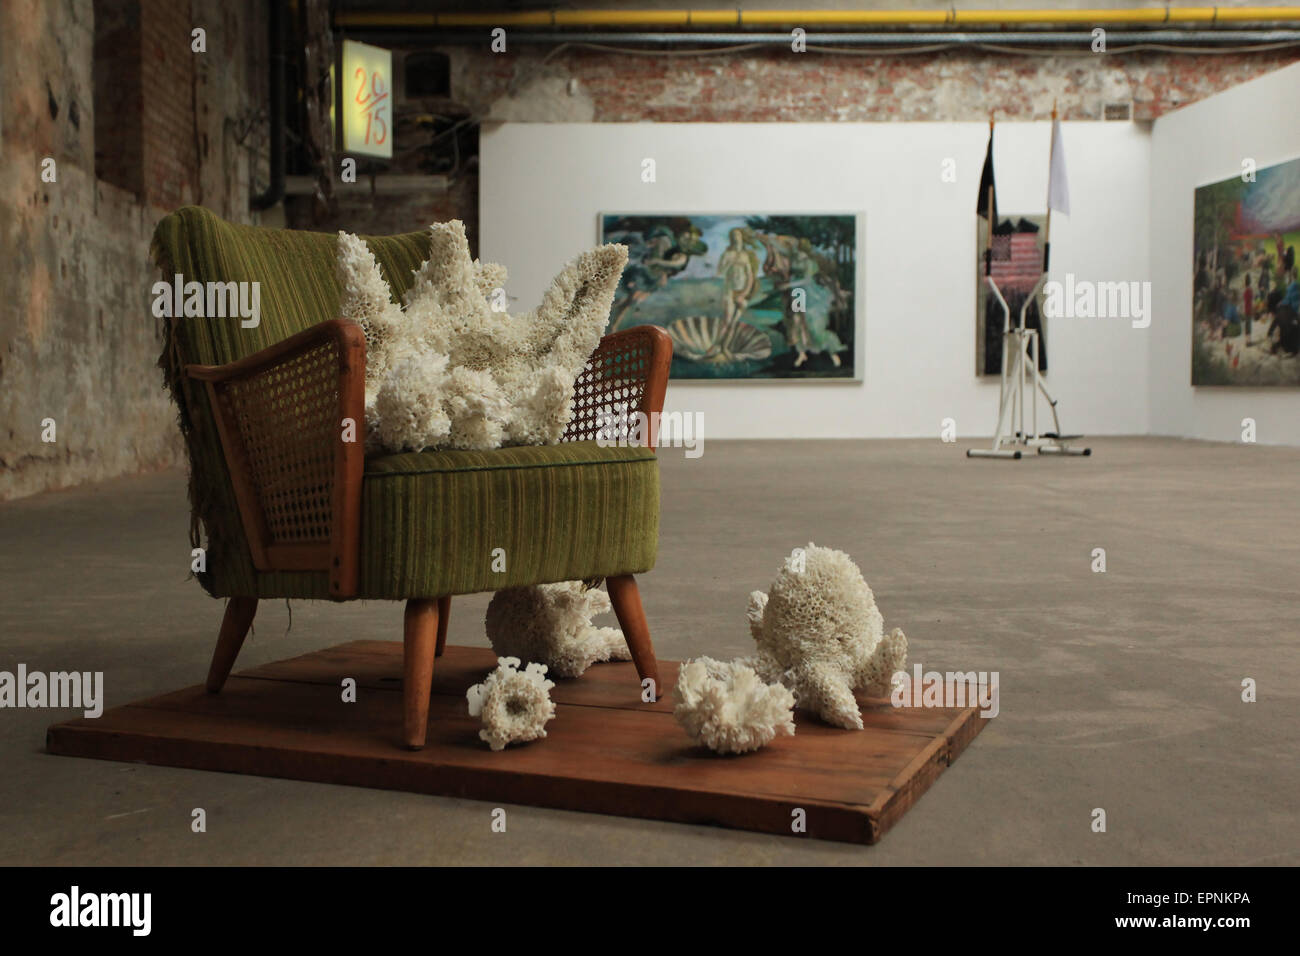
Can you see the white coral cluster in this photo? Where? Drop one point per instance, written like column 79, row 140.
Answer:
column 513, row 705
column 819, row 632
column 447, row 370
column 728, row 708
column 551, row 624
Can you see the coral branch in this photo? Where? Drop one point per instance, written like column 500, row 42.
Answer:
column 448, row 370
column 513, row 705
column 727, row 708
column 819, row 632
column 551, row 624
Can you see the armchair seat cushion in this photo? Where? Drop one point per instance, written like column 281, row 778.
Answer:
column 432, row 521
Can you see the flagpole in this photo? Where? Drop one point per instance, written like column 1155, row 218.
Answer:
column 1047, row 229
column 988, row 248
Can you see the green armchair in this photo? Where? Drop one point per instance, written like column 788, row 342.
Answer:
column 291, row 507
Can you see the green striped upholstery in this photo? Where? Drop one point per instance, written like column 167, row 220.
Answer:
column 430, row 520
column 295, row 270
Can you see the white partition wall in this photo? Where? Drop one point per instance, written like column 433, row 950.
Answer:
column 543, row 185
column 1204, row 143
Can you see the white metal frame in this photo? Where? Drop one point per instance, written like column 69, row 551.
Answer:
column 1020, row 369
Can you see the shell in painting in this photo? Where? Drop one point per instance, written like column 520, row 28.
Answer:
column 697, row 337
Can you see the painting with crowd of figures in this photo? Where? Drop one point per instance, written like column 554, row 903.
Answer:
column 1245, row 296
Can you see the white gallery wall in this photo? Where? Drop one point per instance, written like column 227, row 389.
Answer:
column 1205, row 143
column 543, row 185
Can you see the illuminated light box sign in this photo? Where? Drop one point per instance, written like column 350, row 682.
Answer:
column 367, row 100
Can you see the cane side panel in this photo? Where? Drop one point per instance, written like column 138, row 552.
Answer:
column 287, row 422
column 291, row 423
column 628, row 373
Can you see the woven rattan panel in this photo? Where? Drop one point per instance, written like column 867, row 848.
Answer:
column 610, row 389
column 287, row 418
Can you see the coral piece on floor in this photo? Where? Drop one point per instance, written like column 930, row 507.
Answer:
column 551, row 624
column 448, row 370
column 513, row 705
column 728, row 708
column 819, row 632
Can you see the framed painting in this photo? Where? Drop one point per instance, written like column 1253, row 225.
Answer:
column 1245, row 297
column 744, row 296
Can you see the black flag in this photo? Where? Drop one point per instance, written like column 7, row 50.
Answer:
column 988, row 191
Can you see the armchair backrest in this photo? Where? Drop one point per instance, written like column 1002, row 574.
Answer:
column 295, row 272
column 297, row 288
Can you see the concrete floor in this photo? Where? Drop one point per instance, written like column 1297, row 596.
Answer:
column 1119, row 690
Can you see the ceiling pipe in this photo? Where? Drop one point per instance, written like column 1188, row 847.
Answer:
column 740, row 19
column 1116, row 40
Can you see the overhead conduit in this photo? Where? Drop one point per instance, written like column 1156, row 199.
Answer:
column 740, row 19
column 1191, row 29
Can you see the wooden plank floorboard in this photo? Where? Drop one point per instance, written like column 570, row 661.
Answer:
column 377, row 665
column 594, row 739
column 605, row 751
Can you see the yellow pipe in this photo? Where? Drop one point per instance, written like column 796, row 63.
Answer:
column 846, row 18
column 819, row 18
column 714, row 18
column 622, row 18
column 535, row 18
column 1144, row 16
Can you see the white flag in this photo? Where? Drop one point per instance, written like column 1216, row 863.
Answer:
column 1058, row 186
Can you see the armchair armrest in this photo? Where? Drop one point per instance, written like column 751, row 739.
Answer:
column 628, row 373
column 291, row 419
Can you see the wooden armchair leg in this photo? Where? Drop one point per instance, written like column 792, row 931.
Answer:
column 444, row 613
column 625, row 597
column 420, row 648
column 234, row 628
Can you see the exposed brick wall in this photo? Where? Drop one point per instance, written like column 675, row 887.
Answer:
column 774, row 85
column 385, row 215
column 170, row 160
column 118, row 94
column 77, row 340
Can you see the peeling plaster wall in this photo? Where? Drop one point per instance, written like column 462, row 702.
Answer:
column 78, row 343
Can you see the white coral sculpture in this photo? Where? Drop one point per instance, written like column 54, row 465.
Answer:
column 447, row 370
column 728, row 708
column 513, row 705
column 819, row 632
column 551, row 624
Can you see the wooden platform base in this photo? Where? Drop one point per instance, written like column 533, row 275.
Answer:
column 605, row 751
